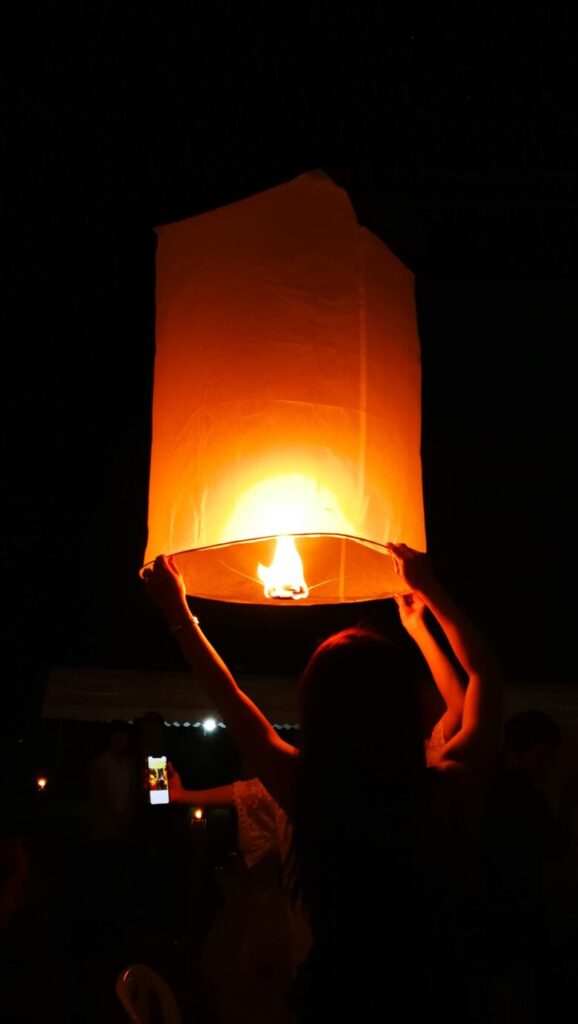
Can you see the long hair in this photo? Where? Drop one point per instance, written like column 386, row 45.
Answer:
column 362, row 755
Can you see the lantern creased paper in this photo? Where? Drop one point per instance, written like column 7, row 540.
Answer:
column 287, row 397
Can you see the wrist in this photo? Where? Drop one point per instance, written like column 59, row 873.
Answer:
column 417, row 628
column 430, row 591
column 178, row 622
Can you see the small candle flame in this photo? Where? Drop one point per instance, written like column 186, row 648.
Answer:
column 284, row 578
column 198, row 813
column 41, row 783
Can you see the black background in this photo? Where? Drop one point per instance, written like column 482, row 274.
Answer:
column 454, row 133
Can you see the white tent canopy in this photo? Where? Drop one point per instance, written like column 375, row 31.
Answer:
column 89, row 694
column 104, row 694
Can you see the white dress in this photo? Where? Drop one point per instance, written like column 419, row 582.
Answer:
column 259, row 938
column 263, row 827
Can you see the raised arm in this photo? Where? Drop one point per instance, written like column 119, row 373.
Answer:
column 273, row 759
column 475, row 745
column 451, row 687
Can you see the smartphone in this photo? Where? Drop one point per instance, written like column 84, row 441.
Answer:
column 158, row 780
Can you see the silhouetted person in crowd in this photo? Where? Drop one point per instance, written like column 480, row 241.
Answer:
column 113, row 787
column 158, row 847
column 530, row 746
column 385, row 854
column 14, row 869
column 151, row 735
column 99, row 899
column 563, row 898
column 523, row 834
column 35, row 983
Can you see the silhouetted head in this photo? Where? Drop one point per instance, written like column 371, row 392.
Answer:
column 359, row 708
column 118, row 737
column 362, row 752
column 152, row 733
column 531, row 744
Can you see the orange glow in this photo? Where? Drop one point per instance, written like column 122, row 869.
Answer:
column 41, row 783
column 283, row 504
column 284, row 578
column 198, row 813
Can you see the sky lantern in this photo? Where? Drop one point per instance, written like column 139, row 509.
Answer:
column 287, row 402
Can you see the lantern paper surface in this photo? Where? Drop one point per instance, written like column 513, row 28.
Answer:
column 287, row 397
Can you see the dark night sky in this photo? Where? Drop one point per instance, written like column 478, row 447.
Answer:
column 455, row 138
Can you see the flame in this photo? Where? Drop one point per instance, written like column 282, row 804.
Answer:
column 284, row 578
column 198, row 813
column 41, row 782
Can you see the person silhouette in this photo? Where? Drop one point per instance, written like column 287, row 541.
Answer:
column 113, row 787
column 384, row 849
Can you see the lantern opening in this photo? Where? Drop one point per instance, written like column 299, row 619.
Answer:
column 284, row 579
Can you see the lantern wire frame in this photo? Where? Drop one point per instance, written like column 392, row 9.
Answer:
column 336, row 565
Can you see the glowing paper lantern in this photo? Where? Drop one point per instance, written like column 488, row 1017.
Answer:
column 287, row 401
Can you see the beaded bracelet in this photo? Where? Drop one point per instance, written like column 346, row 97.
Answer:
column 190, row 618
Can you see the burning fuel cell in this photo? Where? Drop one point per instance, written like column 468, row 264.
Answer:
column 284, row 579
